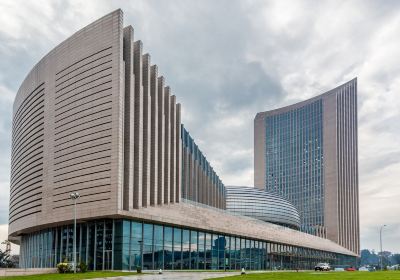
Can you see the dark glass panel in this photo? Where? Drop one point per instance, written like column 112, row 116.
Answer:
column 158, row 247
column 201, row 250
column 208, row 250
column 177, row 249
column 83, row 239
column 147, row 246
column 99, row 245
column 168, row 247
column 185, row 249
column 136, row 246
column 92, row 246
column 193, row 250
column 108, row 245
column 121, row 250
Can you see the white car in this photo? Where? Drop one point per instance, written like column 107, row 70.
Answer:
column 322, row 267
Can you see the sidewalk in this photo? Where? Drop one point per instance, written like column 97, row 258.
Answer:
column 172, row 275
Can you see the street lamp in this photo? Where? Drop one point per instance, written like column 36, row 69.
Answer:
column 74, row 196
column 380, row 239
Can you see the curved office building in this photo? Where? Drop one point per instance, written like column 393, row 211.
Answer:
column 307, row 152
column 262, row 205
column 94, row 116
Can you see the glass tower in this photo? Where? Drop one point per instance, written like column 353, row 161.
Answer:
column 308, row 153
column 294, row 161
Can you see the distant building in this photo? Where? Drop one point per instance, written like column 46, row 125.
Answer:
column 307, row 152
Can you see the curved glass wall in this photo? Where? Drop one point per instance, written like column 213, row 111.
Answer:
column 294, row 162
column 127, row 244
column 262, row 205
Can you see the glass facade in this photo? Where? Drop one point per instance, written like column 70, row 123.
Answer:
column 127, row 244
column 294, row 162
column 266, row 206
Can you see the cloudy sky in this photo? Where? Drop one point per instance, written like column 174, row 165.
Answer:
column 228, row 60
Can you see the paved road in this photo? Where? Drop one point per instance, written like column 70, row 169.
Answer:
column 169, row 275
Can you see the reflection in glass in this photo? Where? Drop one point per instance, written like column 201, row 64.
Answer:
column 147, row 246
column 185, row 249
column 177, row 263
column 118, row 244
column 193, row 250
column 167, row 247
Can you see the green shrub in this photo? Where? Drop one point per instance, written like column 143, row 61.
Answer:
column 63, row 268
column 82, row 267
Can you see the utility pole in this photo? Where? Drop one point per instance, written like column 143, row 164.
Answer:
column 74, row 196
column 380, row 241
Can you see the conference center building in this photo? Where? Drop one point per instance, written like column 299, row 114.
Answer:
column 95, row 116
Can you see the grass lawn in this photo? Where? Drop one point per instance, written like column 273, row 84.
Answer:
column 345, row 275
column 70, row 276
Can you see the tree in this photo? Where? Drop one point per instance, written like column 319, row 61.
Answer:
column 385, row 258
column 5, row 260
column 395, row 259
column 365, row 256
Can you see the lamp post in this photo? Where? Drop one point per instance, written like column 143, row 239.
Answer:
column 380, row 241
column 74, row 196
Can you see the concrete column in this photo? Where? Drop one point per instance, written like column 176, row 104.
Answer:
column 138, row 127
column 201, row 181
column 161, row 141
column 146, row 130
column 198, row 171
column 154, row 135
column 205, row 182
column 190, row 176
column 167, row 146
column 195, row 175
column 172, row 170
column 178, row 154
column 187, row 174
column 128, row 119
column 214, row 188
column 192, row 173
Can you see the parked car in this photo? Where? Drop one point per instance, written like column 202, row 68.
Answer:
column 350, row 269
column 339, row 269
column 322, row 267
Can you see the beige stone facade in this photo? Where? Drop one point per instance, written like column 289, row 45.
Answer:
column 86, row 119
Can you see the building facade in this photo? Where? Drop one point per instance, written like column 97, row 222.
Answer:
column 94, row 116
column 307, row 152
column 265, row 206
column 200, row 183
